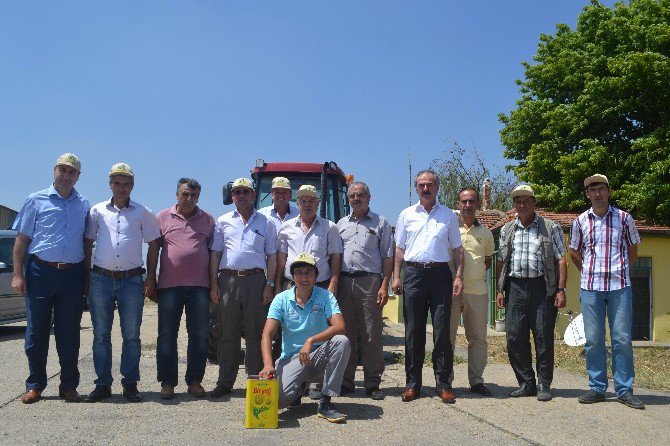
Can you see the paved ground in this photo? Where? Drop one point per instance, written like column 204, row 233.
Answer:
column 185, row 420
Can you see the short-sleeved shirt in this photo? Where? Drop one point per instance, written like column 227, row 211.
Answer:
column 526, row 260
column 299, row 323
column 55, row 225
column 603, row 243
column 185, row 244
column 427, row 236
column 244, row 245
column 367, row 242
column 118, row 234
column 321, row 241
column 273, row 216
column 477, row 245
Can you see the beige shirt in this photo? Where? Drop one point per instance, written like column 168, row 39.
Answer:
column 477, row 245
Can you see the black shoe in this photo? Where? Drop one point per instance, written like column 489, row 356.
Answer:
column 590, row 397
column 480, row 389
column 524, row 390
column 374, row 393
column 131, row 393
column 99, row 394
column 346, row 390
column 543, row 392
column 631, row 400
column 327, row 410
column 295, row 403
column 314, row 394
column 220, row 390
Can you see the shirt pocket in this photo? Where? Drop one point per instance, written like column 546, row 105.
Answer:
column 255, row 241
column 371, row 241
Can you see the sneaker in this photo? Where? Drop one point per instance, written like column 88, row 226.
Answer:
column 631, row 400
column 590, row 397
column 131, row 393
column 347, row 390
column 327, row 410
column 375, row 394
column 167, row 392
column 314, row 394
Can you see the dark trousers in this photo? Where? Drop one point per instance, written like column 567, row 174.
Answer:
column 427, row 289
column 528, row 308
column 51, row 291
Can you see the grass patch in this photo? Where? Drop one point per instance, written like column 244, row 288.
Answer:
column 651, row 363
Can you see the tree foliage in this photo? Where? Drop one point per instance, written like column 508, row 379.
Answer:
column 597, row 100
column 459, row 168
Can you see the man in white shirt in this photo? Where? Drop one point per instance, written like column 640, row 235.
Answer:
column 280, row 210
column 117, row 227
column 427, row 238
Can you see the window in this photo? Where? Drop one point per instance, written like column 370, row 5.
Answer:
column 6, row 248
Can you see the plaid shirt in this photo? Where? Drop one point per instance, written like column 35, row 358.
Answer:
column 526, row 261
column 603, row 243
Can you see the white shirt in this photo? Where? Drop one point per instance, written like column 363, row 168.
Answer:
column 427, row 237
column 244, row 246
column 118, row 234
column 273, row 216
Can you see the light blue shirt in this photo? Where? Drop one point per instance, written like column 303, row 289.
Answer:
column 244, row 245
column 55, row 225
column 298, row 323
column 273, row 216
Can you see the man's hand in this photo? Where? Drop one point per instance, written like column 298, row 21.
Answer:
column 150, row 289
column 500, row 300
column 560, row 299
column 214, row 294
column 19, row 283
column 268, row 372
column 267, row 294
column 382, row 297
column 305, row 351
column 458, row 286
column 397, row 286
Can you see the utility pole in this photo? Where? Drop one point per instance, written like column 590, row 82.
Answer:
column 409, row 156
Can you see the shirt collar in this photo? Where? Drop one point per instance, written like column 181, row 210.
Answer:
column 173, row 211
column 73, row 194
column 237, row 214
column 420, row 208
column 131, row 203
column 534, row 222
column 462, row 223
column 291, row 295
column 609, row 209
column 368, row 215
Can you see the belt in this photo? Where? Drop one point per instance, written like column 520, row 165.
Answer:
column 119, row 274
column 356, row 273
column 426, row 264
column 57, row 265
column 241, row 272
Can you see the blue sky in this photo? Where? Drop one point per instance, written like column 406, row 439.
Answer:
column 203, row 88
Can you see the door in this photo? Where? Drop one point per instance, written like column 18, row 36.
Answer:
column 640, row 277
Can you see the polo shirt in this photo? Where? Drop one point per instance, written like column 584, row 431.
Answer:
column 367, row 242
column 185, row 244
column 477, row 245
column 322, row 240
column 273, row 216
column 244, row 245
column 118, row 234
column 427, row 236
column 299, row 323
column 55, row 225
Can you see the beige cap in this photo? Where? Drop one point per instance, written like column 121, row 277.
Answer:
column 523, row 189
column 307, row 190
column 597, row 178
column 281, row 183
column 121, row 169
column 69, row 159
column 304, row 259
column 243, row 182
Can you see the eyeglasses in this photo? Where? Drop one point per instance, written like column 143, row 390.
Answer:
column 242, row 191
column 358, row 194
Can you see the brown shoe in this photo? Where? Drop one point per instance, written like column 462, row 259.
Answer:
column 447, row 396
column 167, row 392
column 196, row 390
column 70, row 395
column 409, row 394
column 31, row 396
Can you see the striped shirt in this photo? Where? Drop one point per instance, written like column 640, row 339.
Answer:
column 526, row 261
column 603, row 243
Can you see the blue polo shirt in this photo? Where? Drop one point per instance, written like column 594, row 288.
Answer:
column 298, row 323
column 55, row 225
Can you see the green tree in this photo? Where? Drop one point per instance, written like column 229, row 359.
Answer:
column 459, row 168
column 597, row 100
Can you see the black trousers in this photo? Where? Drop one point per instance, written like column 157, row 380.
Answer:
column 528, row 308
column 427, row 289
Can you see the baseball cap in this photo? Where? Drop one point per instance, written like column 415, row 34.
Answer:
column 596, row 178
column 304, row 259
column 69, row 159
column 307, row 190
column 243, row 182
column 121, row 169
column 281, row 183
column 521, row 190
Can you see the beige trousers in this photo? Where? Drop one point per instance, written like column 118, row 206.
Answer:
column 474, row 308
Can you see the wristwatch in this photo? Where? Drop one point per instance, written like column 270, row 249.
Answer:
column 560, row 289
column 270, row 283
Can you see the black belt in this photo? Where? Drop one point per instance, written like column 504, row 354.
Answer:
column 356, row 273
column 119, row 274
column 57, row 265
column 241, row 272
column 426, row 264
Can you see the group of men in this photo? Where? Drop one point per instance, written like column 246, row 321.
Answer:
column 313, row 288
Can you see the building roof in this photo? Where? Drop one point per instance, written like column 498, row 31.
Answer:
column 494, row 220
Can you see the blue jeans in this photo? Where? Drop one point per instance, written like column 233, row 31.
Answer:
column 171, row 303
column 106, row 293
column 58, row 292
column 618, row 305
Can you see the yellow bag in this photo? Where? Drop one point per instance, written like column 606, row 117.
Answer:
column 262, row 403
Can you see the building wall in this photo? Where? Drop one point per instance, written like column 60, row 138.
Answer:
column 7, row 217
